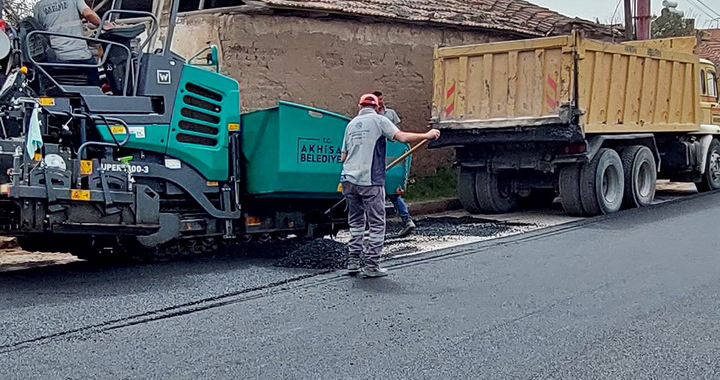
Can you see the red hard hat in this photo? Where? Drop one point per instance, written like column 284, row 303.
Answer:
column 369, row 100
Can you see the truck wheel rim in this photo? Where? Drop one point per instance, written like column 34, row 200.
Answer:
column 715, row 166
column 645, row 180
column 610, row 184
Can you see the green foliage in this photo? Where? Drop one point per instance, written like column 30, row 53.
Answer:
column 671, row 25
column 441, row 184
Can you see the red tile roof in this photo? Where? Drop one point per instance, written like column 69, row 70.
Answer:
column 516, row 16
column 709, row 47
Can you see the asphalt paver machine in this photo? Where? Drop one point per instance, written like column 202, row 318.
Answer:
column 149, row 164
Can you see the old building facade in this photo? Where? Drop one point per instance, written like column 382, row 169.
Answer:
column 325, row 53
column 708, row 46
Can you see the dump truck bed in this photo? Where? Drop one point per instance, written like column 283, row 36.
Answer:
column 621, row 88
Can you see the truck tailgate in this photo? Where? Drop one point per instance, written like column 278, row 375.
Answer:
column 506, row 84
column 622, row 88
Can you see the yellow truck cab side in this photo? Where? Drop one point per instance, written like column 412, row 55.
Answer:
column 709, row 93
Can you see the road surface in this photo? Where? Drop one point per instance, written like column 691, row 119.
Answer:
column 423, row 240
column 631, row 296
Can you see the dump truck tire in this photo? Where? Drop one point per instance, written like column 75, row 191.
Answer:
column 602, row 183
column 492, row 196
column 569, row 186
column 466, row 190
column 711, row 178
column 640, row 176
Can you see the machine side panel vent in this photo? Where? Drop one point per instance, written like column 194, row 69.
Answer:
column 200, row 116
column 197, row 115
column 200, row 128
column 199, row 103
column 192, row 139
column 195, row 89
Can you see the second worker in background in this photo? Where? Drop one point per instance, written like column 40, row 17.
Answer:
column 396, row 199
column 363, row 182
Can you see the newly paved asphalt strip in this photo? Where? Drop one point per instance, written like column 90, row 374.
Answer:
column 432, row 233
column 631, row 296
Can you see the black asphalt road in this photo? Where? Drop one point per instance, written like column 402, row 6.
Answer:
column 632, row 296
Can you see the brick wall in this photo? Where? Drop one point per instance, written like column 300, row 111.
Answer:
column 328, row 63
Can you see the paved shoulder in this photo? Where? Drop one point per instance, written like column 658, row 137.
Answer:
column 631, row 296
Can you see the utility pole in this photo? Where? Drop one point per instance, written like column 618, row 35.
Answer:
column 629, row 27
column 643, row 19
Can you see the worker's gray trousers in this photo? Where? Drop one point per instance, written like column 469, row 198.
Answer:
column 365, row 202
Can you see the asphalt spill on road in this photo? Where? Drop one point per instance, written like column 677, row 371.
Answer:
column 317, row 254
column 430, row 234
column 436, row 233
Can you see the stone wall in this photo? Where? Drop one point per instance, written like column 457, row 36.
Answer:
column 328, row 63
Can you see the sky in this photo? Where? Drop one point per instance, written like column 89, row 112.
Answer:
column 603, row 9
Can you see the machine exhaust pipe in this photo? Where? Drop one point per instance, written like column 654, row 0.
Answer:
column 171, row 26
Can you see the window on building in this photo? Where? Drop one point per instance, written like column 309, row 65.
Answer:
column 712, row 84
column 128, row 5
column 198, row 5
column 137, row 5
column 703, row 83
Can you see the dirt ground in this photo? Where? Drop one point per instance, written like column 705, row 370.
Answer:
column 12, row 257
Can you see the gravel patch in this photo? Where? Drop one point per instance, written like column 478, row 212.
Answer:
column 434, row 233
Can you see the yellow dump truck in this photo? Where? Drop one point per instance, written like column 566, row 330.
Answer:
column 595, row 123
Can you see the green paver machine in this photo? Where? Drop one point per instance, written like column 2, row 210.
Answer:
column 158, row 162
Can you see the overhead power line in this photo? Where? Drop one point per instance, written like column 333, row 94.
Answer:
column 699, row 8
column 706, row 6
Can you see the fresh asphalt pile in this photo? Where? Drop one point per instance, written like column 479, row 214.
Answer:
column 293, row 253
column 317, row 254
